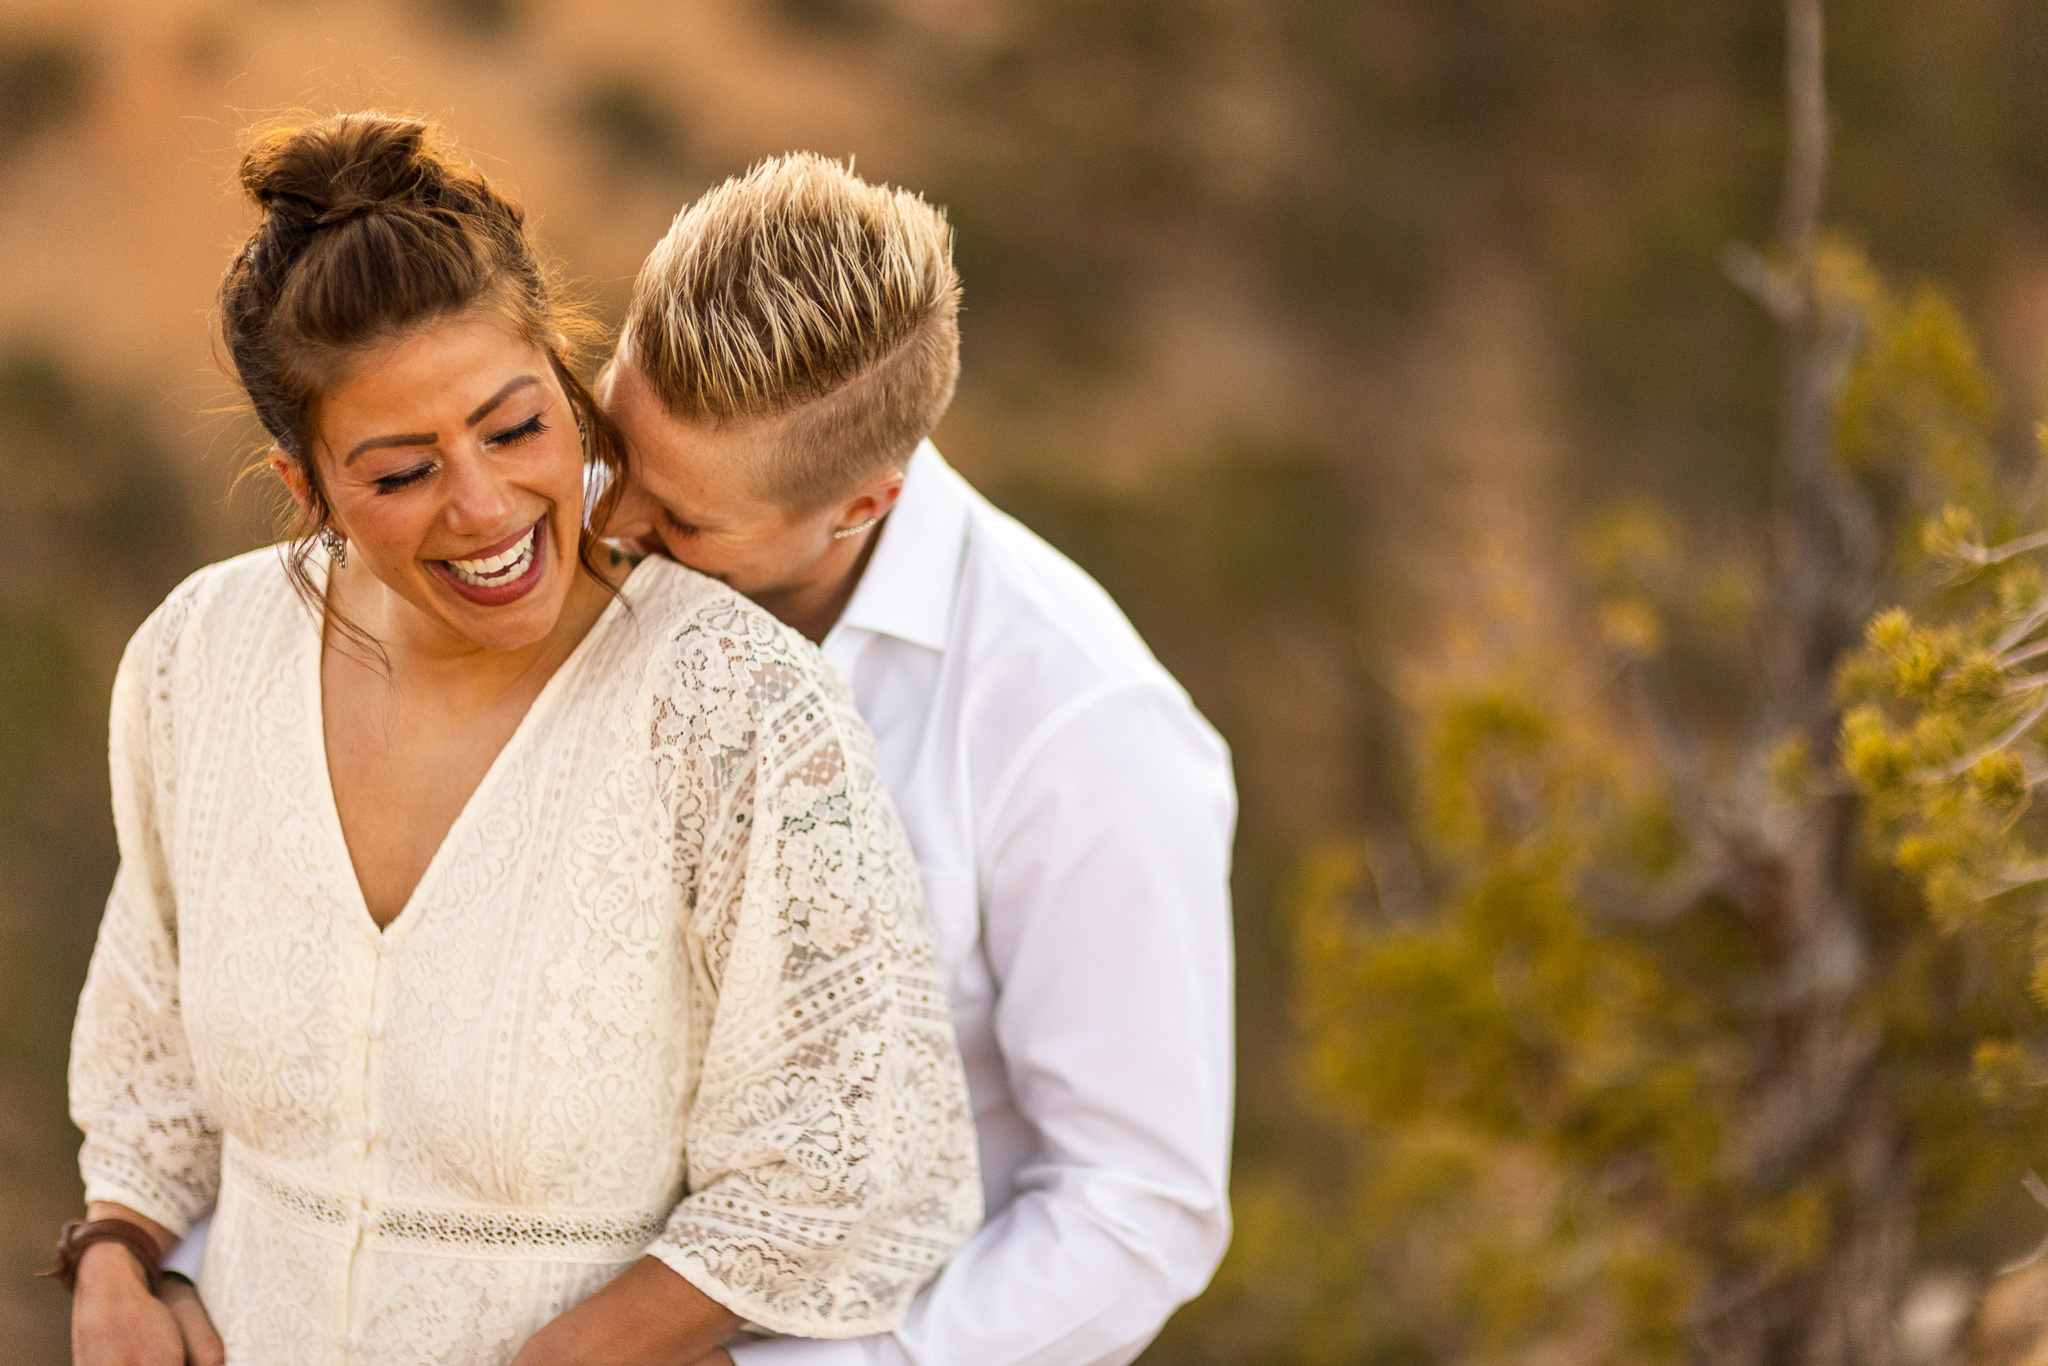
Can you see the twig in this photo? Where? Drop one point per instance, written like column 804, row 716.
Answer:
column 2039, row 1190
column 2010, row 734
column 2030, row 624
column 1762, row 281
column 1999, row 554
column 2027, row 875
column 2006, row 661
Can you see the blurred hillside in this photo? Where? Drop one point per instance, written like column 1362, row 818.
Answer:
column 1310, row 326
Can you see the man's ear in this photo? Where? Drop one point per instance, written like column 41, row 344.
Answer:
column 292, row 477
column 872, row 503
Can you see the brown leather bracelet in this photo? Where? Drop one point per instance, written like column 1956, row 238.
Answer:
column 78, row 1235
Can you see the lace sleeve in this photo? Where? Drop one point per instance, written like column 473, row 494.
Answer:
column 831, row 1145
column 149, row 1141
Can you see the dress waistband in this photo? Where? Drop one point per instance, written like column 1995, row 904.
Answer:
column 472, row 1231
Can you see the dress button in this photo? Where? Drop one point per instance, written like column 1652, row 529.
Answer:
column 348, row 1341
column 369, row 1133
column 383, row 945
column 368, row 1218
column 375, row 1029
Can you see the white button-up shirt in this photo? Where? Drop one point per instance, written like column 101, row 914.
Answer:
column 1072, row 816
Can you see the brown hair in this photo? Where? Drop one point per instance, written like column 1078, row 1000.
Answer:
column 800, row 289
column 373, row 225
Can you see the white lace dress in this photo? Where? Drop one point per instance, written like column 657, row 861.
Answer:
column 665, row 988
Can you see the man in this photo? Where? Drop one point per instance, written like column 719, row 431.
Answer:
column 790, row 345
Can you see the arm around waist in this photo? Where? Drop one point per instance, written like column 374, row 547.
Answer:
column 1105, row 905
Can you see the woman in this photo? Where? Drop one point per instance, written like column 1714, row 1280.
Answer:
column 522, row 953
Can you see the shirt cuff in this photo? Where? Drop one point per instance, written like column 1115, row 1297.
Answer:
column 869, row 1351
column 190, row 1252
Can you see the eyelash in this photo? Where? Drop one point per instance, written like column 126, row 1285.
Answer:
column 392, row 483
column 524, row 432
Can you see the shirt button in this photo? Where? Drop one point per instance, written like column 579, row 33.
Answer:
column 348, row 1341
column 383, row 945
column 369, row 1133
column 375, row 1029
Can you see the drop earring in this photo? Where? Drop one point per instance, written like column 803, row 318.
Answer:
column 336, row 546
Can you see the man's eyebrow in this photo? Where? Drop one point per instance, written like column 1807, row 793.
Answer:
column 484, row 408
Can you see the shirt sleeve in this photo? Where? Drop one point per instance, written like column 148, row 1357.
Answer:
column 831, row 1151
column 150, row 1142
column 1106, row 913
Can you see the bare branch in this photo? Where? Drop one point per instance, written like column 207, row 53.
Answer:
column 1763, row 281
column 1806, row 159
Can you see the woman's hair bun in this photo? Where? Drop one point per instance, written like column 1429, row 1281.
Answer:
column 346, row 166
column 371, row 224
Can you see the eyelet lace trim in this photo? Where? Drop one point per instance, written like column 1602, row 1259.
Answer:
column 471, row 1231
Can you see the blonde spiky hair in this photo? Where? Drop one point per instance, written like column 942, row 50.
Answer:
column 800, row 290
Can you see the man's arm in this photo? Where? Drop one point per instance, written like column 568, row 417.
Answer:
column 645, row 1316
column 1105, row 867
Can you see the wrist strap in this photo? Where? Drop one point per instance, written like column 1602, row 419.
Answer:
column 78, row 1235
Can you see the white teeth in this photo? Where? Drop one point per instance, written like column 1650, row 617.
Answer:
column 493, row 570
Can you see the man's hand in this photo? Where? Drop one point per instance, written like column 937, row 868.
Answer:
column 648, row 1316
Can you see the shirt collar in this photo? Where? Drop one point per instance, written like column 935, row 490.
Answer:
column 913, row 578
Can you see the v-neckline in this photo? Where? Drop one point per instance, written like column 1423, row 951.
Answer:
column 311, row 690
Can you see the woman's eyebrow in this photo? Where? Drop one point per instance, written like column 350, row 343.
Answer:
column 484, row 409
column 377, row 443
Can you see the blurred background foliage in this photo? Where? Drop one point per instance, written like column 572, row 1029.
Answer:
column 1379, row 356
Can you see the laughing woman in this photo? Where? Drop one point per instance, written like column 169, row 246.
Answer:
column 521, row 952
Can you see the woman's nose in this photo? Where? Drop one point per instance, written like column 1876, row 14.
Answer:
column 478, row 499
